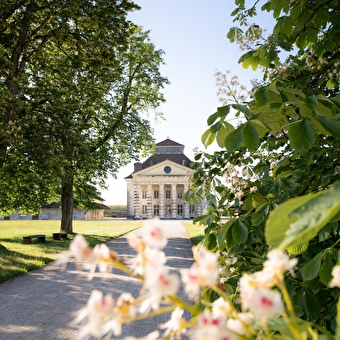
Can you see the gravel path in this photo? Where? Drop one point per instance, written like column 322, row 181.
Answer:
column 40, row 304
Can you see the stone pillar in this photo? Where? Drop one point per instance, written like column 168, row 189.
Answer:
column 149, row 201
column 173, row 201
column 186, row 215
column 136, row 203
column 161, row 202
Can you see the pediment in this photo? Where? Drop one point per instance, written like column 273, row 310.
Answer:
column 165, row 168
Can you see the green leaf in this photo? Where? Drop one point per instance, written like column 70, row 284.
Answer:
column 331, row 125
column 300, row 219
column 212, row 118
column 223, row 111
column 325, row 272
column 222, row 235
column 222, row 133
column 313, row 306
column 239, row 232
column 261, row 96
column 208, row 138
column 301, row 136
column 311, row 269
column 251, row 139
column 234, row 139
column 298, row 249
column 242, row 108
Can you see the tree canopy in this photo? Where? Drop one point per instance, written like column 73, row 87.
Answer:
column 277, row 174
column 77, row 81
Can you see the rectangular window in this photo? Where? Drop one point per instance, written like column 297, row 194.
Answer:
column 168, row 210
column 168, row 194
column 179, row 193
column 156, row 210
column 155, row 194
column 144, row 194
column 144, row 209
column 180, row 210
column 192, row 209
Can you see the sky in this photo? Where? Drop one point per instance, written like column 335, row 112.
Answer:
column 192, row 33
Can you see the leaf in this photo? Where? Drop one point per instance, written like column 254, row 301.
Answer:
column 300, row 219
column 261, row 96
column 312, row 305
column 239, row 232
column 223, row 111
column 325, row 272
column 208, row 138
column 251, row 138
column 301, row 136
column 331, row 125
column 222, row 235
column 311, row 269
column 242, row 108
column 234, row 139
column 211, row 119
column 298, row 249
column 222, row 133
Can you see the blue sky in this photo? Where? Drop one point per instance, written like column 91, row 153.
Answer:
column 193, row 37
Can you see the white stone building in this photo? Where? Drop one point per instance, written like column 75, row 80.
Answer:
column 156, row 187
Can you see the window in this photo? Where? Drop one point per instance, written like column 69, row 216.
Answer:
column 168, row 210
column 156, row 210
column 179, row 193
column 144, row 209
column 167, row 193
column 155, row 194
column 192, row 209
column 144, row 194
column 180, row 209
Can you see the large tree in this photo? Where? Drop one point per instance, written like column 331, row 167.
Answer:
column 76, row 79
column 277, row 174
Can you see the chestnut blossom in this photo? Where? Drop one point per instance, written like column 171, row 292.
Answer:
column 105, row 314
column 158, row 285
column 154, row 236
column 174, row 325
column 240, row 325
column 335, row 282
column 203, row 272
column 209, row 327
column 221, row 309
column 80, row 250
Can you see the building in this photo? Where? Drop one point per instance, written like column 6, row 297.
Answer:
column 156, row 186
column 52, row 211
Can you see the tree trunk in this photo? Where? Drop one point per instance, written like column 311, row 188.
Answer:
column 67, row 206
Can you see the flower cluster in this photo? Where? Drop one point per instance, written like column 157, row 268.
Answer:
column 261, row 295
column 230, row 90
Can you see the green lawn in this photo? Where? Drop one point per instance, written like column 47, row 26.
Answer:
column 19, row 258
column 195, row 231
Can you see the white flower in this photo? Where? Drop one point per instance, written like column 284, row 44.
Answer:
column 335, row 282
column 81, row 250
column 239, row 325
column 221, row 309
column 154, row 236
column 267, row 303
column 212, row 328
column 175, row 323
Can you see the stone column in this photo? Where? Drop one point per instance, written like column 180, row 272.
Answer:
column 161, row 202
column 149, row 201
column 173, row 201
column 186, row 215
column 136, row 203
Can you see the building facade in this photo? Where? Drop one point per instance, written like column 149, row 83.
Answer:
column 156, row 187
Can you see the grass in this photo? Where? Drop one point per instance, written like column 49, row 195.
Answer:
column 195, row 232
column 18, row 258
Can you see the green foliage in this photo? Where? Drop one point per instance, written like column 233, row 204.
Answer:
column 276, row 177
column 76, row 82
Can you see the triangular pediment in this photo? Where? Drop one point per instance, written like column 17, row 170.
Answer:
column 165, row 168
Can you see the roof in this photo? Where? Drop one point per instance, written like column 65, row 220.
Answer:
column 168, row 142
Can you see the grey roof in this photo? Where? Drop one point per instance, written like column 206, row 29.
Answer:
column 168, row 142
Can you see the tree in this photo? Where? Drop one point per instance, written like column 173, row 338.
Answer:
column 76, row 81
column 277, row 175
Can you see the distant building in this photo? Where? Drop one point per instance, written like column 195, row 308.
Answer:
column 52, row 211
column 156, row 186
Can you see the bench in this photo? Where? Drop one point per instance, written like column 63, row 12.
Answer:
column 59, row 236
column 28, row 239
